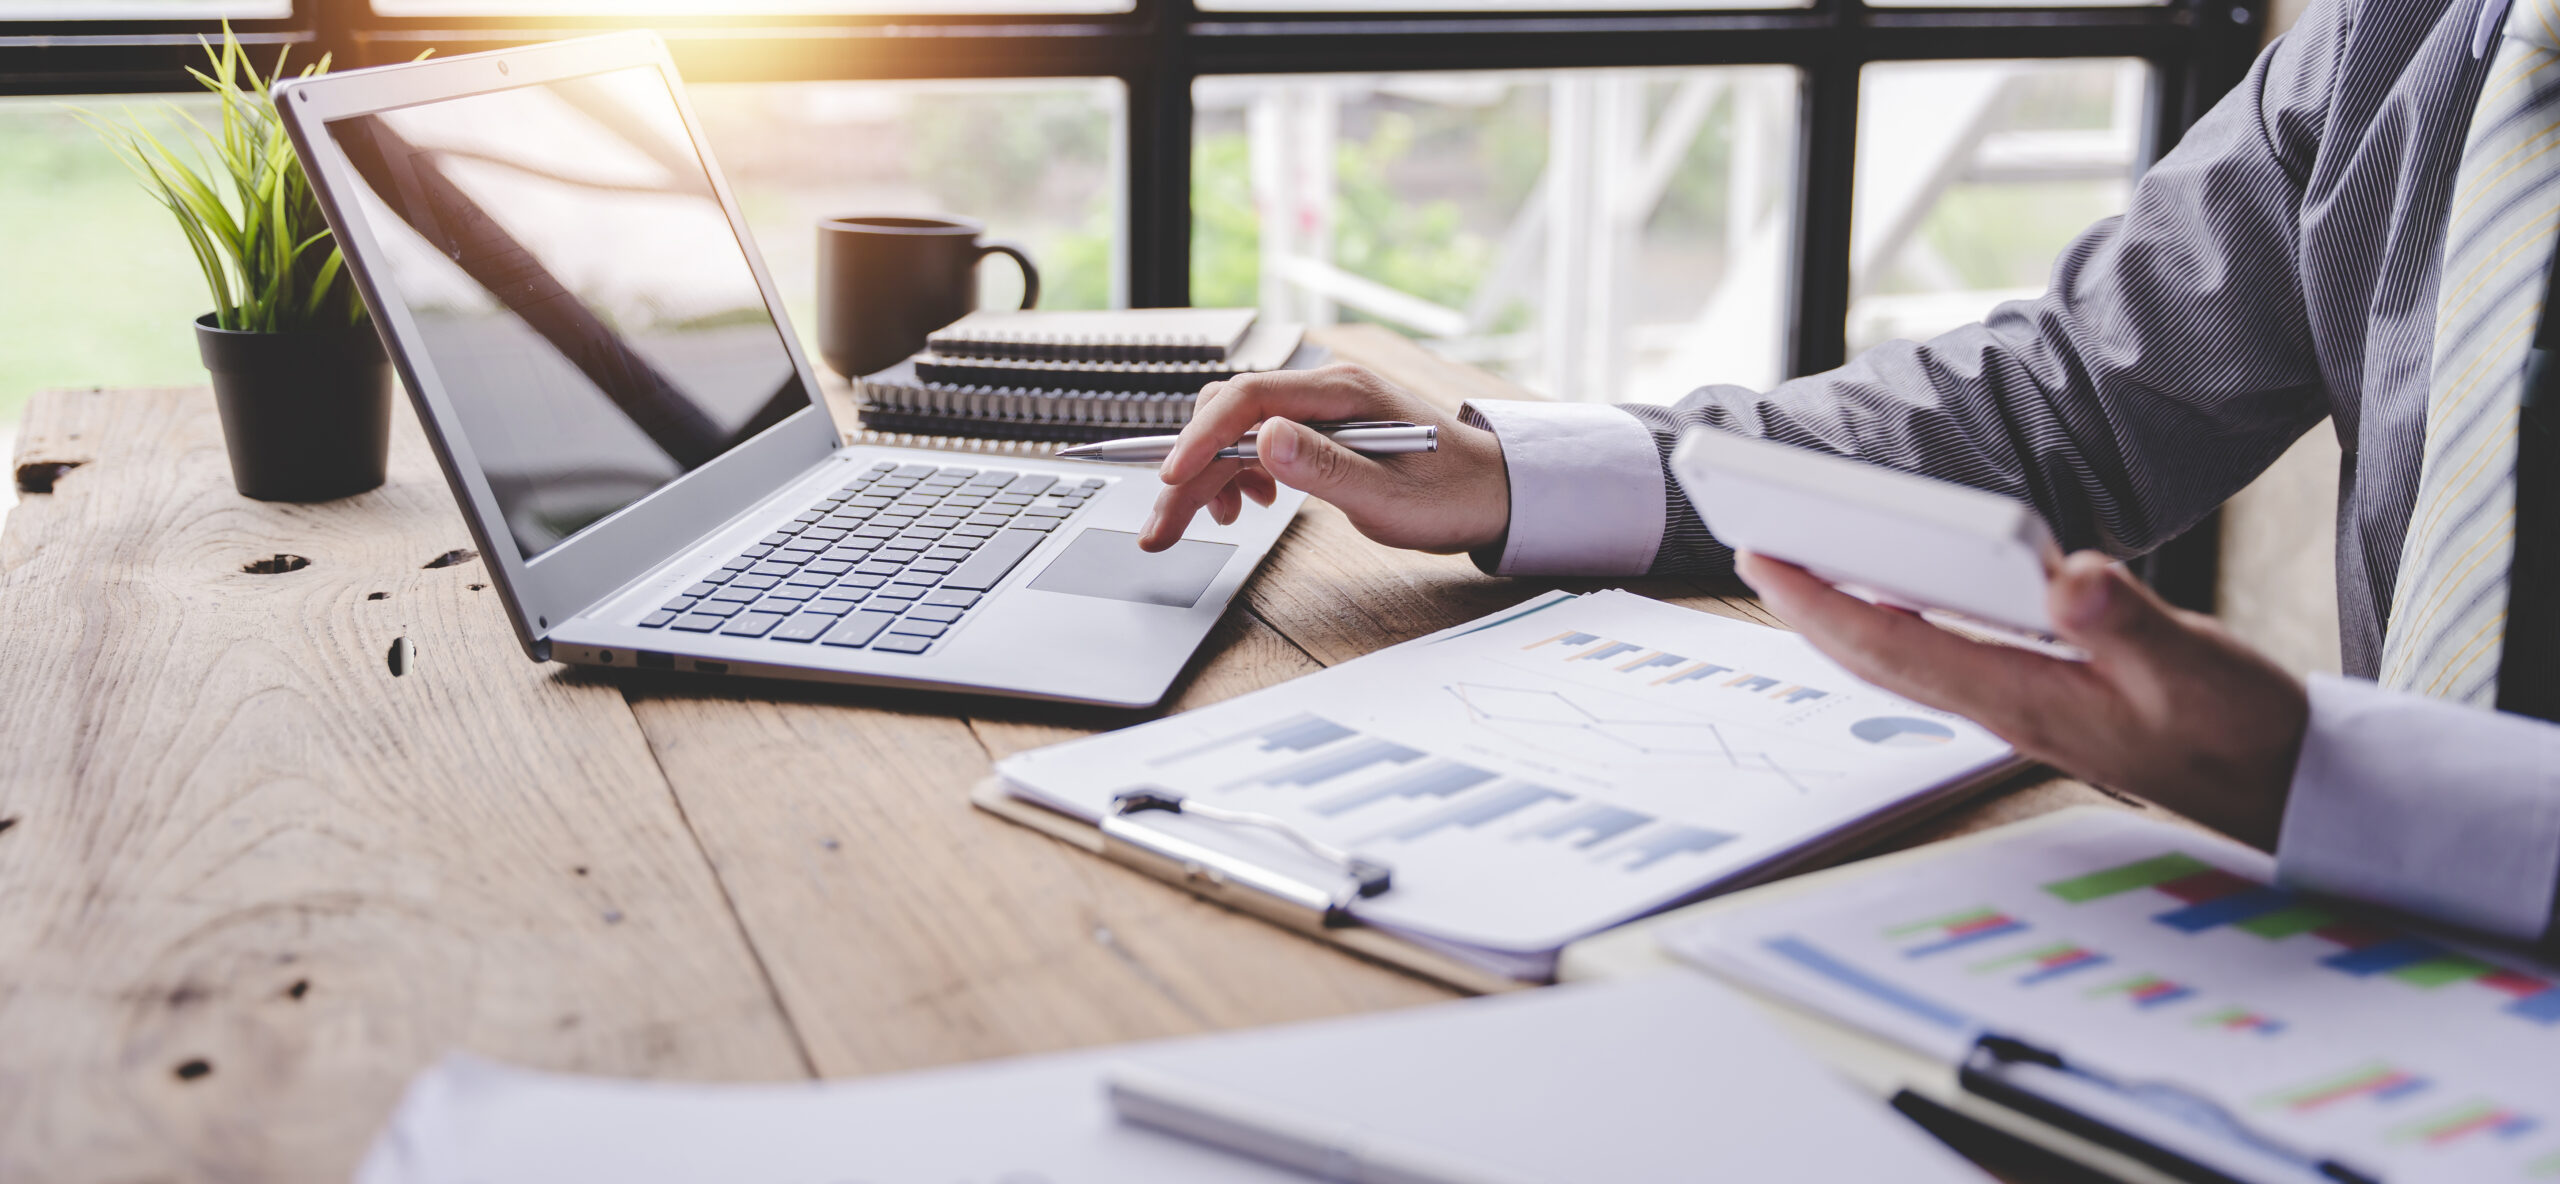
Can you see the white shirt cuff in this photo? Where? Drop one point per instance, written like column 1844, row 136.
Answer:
column 1586, row 488
column 2436, row 809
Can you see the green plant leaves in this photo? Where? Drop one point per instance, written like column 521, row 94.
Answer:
column 242, row 201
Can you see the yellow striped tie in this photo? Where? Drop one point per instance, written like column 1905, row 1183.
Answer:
column 2449, row 605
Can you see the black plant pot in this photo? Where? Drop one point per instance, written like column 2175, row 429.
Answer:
column 305, row 416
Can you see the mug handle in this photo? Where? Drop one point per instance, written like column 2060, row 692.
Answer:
column 1030, row 274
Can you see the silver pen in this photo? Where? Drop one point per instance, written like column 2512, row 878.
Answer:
column 1375, row 438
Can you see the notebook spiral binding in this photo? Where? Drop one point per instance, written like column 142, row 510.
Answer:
column 977, row 445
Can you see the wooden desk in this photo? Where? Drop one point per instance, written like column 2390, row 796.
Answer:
column 255, row 870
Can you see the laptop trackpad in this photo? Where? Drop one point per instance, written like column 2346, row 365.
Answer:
column 1108, row 564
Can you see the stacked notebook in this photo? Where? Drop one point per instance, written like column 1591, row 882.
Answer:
column 1074, row 376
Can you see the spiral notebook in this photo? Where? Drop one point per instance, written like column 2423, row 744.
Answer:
column 1106, row 376
column 1267, row 346
column 1133, row 335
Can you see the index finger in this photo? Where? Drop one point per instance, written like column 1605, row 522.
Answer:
column 1227, row 410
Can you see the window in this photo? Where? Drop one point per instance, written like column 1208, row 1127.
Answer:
column 101, row 287
column 143, row 10
column 1038, row 160
column 1591, row 234
column 1613, row 204
column 1973, row 175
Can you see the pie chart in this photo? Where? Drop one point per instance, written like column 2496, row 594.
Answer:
column 1902, row 731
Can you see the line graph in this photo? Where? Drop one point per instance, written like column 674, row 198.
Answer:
column 1582, row 726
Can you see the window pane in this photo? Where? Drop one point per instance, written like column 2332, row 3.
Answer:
column 1505, row 5
column 1972, row 176
column 1037, row 160
column 143, row 10
column 2012, row 3
column 1608, row 234
column 101, row 287
column 649, row 8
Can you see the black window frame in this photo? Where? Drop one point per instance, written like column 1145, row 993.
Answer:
column 2197, row 50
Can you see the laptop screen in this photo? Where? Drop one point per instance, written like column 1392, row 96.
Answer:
column 576, row 286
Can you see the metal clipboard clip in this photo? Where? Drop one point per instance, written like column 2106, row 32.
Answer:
column 2169, row 1128
column 1234, row 880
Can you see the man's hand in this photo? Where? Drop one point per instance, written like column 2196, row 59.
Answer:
column 2169, row 705
column 1455, row 499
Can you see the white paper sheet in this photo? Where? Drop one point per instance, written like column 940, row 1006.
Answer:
column 1544, row 773
column 2150, row 951
column 1673, row 1078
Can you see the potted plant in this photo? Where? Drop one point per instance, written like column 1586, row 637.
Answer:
column 298, row 373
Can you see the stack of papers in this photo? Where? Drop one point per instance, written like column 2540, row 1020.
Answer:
column 1544, row 773
column 2160, row 955
column 1668, row 1079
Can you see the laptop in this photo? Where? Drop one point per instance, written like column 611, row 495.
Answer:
column 641, row 447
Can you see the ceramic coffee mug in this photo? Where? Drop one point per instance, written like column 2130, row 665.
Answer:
column 887, row 280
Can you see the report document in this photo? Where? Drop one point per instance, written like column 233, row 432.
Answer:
column 1542, row 773
column 2263, row 1027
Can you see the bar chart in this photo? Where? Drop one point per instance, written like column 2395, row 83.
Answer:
column 2208, row 898
column 1293, row 733
column 2123, row 946
column 2045, row 963
column 2241, row 1019
column 1954, row 931
column 1662, row 668
column 1438, row 779
column 1331, row 763
column 1479, row 811
column 1591, row 825
column 1572, row 763
column 1663, row 843
column 2482, row 1118
column 2146, row 991
column 2376, row 1082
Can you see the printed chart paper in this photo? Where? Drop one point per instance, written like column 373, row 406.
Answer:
column 2153, row 952
column 1542, row 773
column 1668, row 1080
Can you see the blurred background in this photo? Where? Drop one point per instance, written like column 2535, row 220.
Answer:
column 1617, row 235
column 1550, row 194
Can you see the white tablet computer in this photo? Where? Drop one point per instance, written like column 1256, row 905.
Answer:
column 1931, row 546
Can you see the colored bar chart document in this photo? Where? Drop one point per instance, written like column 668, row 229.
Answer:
column 2160, row 955
column 1548, row 771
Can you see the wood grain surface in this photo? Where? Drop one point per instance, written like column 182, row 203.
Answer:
column 251, row 879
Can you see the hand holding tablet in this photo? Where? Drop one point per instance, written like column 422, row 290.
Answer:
column 1973, row 559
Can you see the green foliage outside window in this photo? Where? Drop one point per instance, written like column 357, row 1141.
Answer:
column 988, row 152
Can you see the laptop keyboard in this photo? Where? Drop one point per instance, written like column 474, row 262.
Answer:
column 891, row 562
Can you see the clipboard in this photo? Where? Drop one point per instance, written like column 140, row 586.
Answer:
column 1313, row 911
column 2033, row 1094
column 1322, row 911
